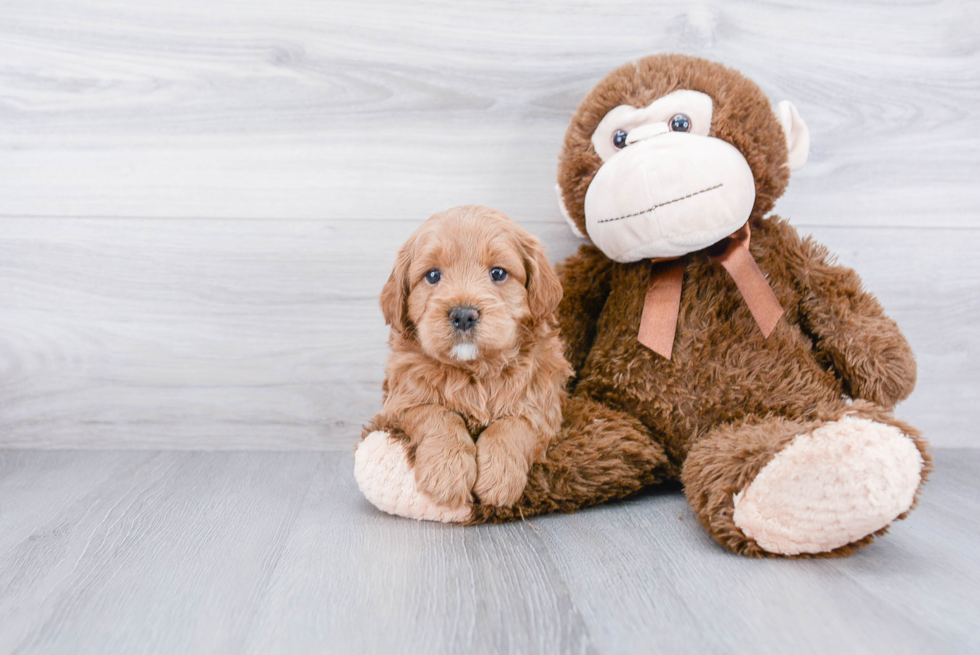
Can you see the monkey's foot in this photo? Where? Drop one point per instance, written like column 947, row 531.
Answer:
column 842, row 482
column 386, row 479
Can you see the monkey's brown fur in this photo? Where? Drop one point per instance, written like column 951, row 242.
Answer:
column 728, row 400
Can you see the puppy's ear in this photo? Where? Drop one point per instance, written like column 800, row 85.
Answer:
column 544, row 290
column 394, row 295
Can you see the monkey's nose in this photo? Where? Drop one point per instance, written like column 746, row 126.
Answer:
column 464, row 318
column 646, row 132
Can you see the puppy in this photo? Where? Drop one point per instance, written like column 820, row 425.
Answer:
column 476, row 377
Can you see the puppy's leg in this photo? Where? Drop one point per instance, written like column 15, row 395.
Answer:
column 445, row 464
column 504, row 453
column 386, row 476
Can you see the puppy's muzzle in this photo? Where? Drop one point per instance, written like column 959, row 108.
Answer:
column 464, row 319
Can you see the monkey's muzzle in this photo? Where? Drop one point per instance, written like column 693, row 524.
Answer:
column 667, row 194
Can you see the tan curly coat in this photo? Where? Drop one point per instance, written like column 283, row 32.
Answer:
column 476, row 408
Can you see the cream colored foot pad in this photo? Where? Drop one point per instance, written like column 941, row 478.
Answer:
column 382, row 473
column 842, row 482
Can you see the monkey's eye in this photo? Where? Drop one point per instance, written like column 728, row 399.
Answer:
column 619, row 139
column 680, row 123
column 433, row 276
column 498, row 274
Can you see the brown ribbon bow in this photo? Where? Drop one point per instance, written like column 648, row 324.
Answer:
column 658, row 323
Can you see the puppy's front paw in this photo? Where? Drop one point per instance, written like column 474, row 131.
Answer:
column 502, row 475
column 445, row 473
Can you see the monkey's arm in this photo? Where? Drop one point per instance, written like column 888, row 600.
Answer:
column 585, row 282
column 851, row 330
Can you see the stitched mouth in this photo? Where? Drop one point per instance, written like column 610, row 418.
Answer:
column 662, row 204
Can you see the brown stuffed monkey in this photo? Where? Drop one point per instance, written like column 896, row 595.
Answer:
column 712, row 345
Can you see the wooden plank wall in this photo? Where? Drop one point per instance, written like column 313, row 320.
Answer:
column 199, row 202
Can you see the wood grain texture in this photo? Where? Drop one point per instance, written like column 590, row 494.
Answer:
column 169, row 552
column 299, row 109
column 267, row 334
column 199, row 202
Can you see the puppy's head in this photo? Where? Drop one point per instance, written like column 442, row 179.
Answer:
column 470, row 284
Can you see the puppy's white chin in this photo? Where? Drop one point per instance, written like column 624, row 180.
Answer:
column 464, row 352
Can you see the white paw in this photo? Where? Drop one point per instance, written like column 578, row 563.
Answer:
column 836, row 485
column 384, row 477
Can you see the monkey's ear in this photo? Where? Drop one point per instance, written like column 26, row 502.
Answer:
column 394, row 295
column 564, row 212
column 797, row 134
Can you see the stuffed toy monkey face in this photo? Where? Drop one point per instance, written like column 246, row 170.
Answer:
column 665, row 187
column 674, row 166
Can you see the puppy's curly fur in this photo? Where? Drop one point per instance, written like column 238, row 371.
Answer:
column 478, row 406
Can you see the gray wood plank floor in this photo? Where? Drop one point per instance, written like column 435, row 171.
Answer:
column 199, row 202
column 108, row 552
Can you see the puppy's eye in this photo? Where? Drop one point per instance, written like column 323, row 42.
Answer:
column 498, row 274
column 619, row 139
column 680, row 123
column 433, row 276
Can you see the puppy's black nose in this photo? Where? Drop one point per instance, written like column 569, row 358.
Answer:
column 464, row 318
